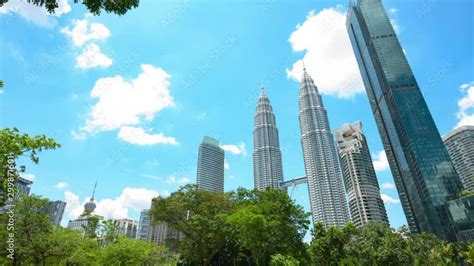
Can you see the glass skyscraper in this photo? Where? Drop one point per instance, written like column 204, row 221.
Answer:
column 325, row 185
column 210, row 168
column 360, row 181
column 267, row 166
column 420, row 164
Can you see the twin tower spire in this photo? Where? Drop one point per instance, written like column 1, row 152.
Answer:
column 324, row 178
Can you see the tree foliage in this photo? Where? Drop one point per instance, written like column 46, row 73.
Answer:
column 119, row 7
column 38, row 242
column 14, row 144
column 240, row 227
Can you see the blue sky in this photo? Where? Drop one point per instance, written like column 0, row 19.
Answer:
column 130, row 97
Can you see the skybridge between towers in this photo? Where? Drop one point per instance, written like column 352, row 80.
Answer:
column 293, row 183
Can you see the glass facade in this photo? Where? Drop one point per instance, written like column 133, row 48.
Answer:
column 420, row 164
column 461, row 216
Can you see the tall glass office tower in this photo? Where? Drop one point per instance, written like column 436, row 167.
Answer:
column 420, row 165
column 210, row 168
column 325, row 185
column 267, row 166
column 360, row 181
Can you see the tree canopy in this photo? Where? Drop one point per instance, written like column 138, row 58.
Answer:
column 246, row 226
column 14, row 144
column 119, row 7
column 38, row 242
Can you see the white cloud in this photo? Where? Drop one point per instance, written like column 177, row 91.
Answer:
column 380, row 161
column 124, row 103
column 63, row 8
column 2, row 91
column 131, row 199
column 396, row 27
column 184, row 181
column 235, row 149
column 466, row 105
column 388, row 186
column 83, row 31
column 73, row 205
column 392, row 10
column 61, row 185
column 329, row 57
column 35, row 14
column 78, row 135
column 137, row 135
column 226, row 165
column 91, row 57
column 28, row 176
column 389, row 200
column 181, row 181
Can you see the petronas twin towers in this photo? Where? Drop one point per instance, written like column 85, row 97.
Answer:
column 323, row 174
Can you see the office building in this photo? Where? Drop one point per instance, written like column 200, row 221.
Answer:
column 55, row 210
column 143, row 225
column 23, row 187
column 210, row 168
column 267, row 165
column 421, row 167
column 325, row 184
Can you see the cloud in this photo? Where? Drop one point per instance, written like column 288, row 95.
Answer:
column 61, row 185
column 226, row 165
column 466, row 105
column 392, row 10
column 35, row 14
column 84, row 31
column 328, row 57
column 28, row 176
column 91, row 57
column 380, row 161
column 389, row 200
column 125, row 103
column 137, row 135
column 235, row 149
column 130, row 199
column 181, row 181
column 396, row 27
column 388, row 185
column 73, row 205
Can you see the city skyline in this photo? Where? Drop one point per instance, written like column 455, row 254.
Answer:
column 204, row 99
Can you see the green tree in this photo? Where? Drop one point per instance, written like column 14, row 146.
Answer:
column 329, row 246
column 14, row 144
column 36, row 240
column 228, row 228
column 119, row 7
column 281, row 260
column 200, row 216
column 134, row 252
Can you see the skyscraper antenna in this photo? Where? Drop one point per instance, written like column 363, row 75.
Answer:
column 304, row 68
column 261, row 83
column 93, row 192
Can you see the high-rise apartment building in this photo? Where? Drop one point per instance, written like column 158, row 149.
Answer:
column 325, row 184
column 460, row 145
column 267, row 162
column 210, row 168
column 360, row 181
column 421, row 167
